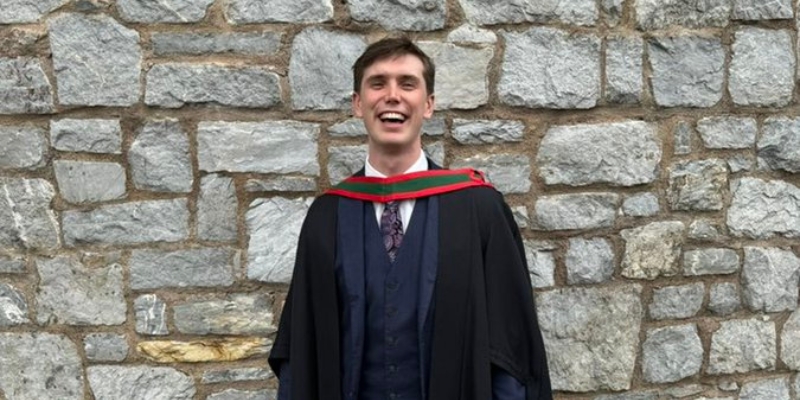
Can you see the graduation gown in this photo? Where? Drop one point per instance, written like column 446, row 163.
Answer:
column 483, row 313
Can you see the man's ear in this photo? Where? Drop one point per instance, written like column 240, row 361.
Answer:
column 356, row 103
column 429, row 106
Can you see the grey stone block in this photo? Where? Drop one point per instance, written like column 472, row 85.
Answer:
column 72, row 294
column 578, row 12
column 624, row 69
column 770, row 279
column 435, row 126
column 282, row 184
column 24, row 147
column 217, row 208
column 541, row 263
column 292, row 11
column 274, row 227
column 742, row 346
column 682, row 136
column 790, row 341
column 671, row 353
column 772, row 389
column 410, row 16
column 633, row 395
column 150, row 312
column 461, row 74
column 676, row 302
column 27, row 11
column 163, row 11
column 777, row 147
column 87, row 181
column 105, row 347
column 13, row 307
column 660, row 14
column 24, row 88
column 652, row 250
column 12, row 264
column 641, row 205
column 763, row 209
column 87, row 135
column 236, row 394
column 687, row 70
column 594, row 349
column 238, row 314
column 26, row 374
column 548, row 68
column 237, row 375
column 521, row 217
column 739, row 163
column 173, row 85
column 112, row 382
column 265, row 147
column 762, row 68
column 129, row 223
column 159, row 158
column 576, row 211
column 698, row 185
column 26, row 219
column 321, row 79
column 710, row 262
column 153, row 269
column 613, row 11
column 628, row 154
column 198, row 44
column 728, row 132
column 467, row 131
column 589, row 261
column 344, row 161
column 353, row 127
column 724, row 299
column 753, row 10
column 509, row 173
column 434, row 152
column 470, row 34
column 703, row 229
column 97, row 61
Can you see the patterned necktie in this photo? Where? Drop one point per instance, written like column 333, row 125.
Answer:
column 392, row 228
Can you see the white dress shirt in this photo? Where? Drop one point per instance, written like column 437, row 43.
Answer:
column 406, row 206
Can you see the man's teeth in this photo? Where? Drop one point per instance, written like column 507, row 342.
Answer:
column 392, row 117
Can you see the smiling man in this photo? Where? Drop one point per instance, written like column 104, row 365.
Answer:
column 410, row 280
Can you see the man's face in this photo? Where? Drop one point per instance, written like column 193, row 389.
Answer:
column 393, row 103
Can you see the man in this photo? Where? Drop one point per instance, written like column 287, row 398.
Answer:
column 410, row 281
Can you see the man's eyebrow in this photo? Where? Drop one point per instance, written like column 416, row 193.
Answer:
column 383, row 77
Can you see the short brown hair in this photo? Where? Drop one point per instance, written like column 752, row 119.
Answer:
column 390, row 48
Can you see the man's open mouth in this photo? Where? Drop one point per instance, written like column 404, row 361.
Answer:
column 392, row 118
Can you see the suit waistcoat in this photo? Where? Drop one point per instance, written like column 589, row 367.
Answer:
column 391, row 367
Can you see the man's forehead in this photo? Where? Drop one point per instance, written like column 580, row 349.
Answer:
column 400, row 65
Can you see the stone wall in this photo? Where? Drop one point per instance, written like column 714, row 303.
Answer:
column 157, row 158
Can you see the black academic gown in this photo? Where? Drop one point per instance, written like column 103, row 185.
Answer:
column 483, row 314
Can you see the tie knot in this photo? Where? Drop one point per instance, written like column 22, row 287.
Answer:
column 393, row 205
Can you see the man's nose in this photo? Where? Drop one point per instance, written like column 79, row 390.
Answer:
column 392, row 93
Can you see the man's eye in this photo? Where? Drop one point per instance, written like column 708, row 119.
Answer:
column 409, row 85
column 376, row 85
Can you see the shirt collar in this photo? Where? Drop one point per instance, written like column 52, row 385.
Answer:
column 420, row 165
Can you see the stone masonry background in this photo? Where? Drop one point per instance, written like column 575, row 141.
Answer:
column 157, row 159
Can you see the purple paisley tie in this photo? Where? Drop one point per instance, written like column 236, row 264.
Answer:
column 392, row 228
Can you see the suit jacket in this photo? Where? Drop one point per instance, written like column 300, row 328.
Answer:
column 483, row 315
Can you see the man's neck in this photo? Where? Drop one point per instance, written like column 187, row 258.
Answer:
column 393, row 164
